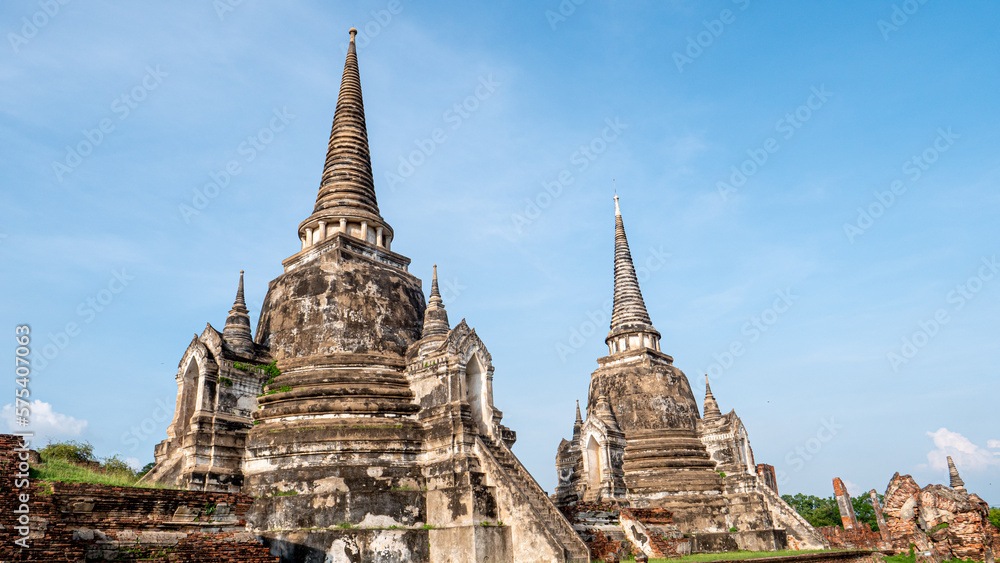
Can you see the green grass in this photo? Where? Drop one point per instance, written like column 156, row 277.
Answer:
column 911, row 558
column 65, row 472
column 732, row 555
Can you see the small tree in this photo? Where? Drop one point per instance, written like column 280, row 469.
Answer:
column 72, row 451
column 995, row 517
column 818, row 511
column 115, row 465
column 146, row 469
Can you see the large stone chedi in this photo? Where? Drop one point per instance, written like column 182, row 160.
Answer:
column 640, row 441
column 379, row 440
column 644, row 444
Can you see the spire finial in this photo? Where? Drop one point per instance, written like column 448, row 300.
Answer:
column 435, row 316
column 347, row 187
column 629, row 315
column 435, row 296
column 237, row 331
column 579, row 418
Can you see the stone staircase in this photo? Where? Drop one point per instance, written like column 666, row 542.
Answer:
column 554, row 521
column 801, row 534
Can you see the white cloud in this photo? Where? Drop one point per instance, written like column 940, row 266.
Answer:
column 854, row 489
column 993, row 443
column 134, row 463
column 46, row 423
column 967, row 456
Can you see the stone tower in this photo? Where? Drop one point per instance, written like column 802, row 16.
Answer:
column 373, row 435
column 640, row 441
column 643, row 443
column 218, row 380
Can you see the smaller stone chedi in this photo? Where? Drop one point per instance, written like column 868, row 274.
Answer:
column 644, row 444
column 360, row 420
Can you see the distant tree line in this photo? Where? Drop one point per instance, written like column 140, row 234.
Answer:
column 824, row 512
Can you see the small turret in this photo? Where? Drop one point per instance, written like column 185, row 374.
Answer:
column 605, row 413
column 435, row 317
column 712, row 411
column 237, row 333
column 956, row 481
column 578, row 425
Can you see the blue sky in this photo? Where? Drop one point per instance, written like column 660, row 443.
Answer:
column 808, row 190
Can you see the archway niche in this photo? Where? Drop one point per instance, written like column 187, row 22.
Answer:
column 593, row 465
column 188, row 398
column 475, row 385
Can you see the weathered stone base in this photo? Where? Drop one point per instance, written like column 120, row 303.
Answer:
column 488, row 543
column 355, row 546
column 757, row 540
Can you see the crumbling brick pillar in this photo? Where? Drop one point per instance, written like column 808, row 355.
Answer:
column 882, row 529
column 847, row 516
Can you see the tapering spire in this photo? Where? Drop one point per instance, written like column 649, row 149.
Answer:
column 435, row 316
column 346, row 199
column 578, row 425
column 347, row 176
column 629, row 315
column 956, row 481
column 237, row 331
column 712, row 411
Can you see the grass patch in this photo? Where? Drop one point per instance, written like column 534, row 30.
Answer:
column 285, row 493
column 911, row 557
column 63, row 471
column 731, row 555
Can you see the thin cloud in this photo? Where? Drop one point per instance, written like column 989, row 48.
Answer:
column 967, row 456
column 46, row 423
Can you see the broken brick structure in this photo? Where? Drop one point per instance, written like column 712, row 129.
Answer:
column 848, row 519
column 939, row 522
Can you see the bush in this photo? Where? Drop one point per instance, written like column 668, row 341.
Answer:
column 72, row 451
column 995, row 517
column 146, row 469
column 115, row 465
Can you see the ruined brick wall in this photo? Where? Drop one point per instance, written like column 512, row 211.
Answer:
column 861, row 537
column 597, row 525
column 948, row 522
column 78, row 521
column 8, row 493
